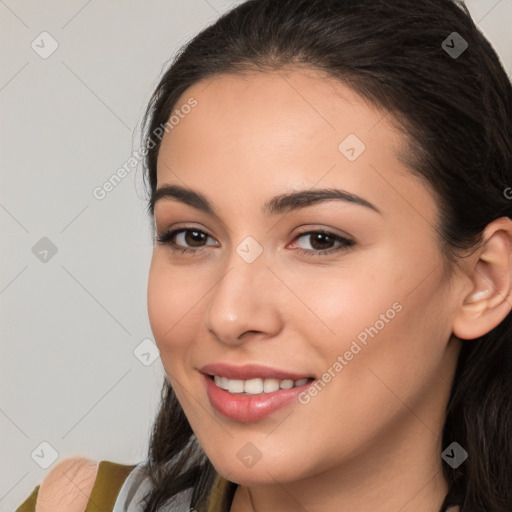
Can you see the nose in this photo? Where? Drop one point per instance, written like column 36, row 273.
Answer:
column 244, row 303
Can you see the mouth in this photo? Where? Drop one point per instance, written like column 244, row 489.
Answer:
column 252, row 399
column 252, row 371
column 257, row 386
column 252, row 392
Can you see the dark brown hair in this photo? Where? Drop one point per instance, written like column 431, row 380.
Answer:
column 455, row 111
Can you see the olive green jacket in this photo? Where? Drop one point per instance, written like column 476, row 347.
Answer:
column 109, row 481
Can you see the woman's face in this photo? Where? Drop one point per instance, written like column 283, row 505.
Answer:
column 368, row 319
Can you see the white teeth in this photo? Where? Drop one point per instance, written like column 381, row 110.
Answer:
column 253, row 386
column 222, row 382
column 270, row 385
column 256, row 386
column 286, row 384
column 236, row 386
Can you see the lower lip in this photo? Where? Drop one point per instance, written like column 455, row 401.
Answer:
column 247, row 408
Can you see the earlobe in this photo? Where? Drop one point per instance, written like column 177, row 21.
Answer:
column 490, row 298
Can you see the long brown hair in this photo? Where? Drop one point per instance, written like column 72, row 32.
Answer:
column 456, row 112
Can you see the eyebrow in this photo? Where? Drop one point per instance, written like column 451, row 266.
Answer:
column 276, row 205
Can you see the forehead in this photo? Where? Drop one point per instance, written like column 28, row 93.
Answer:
column 268, row 132
column 265, row 117
column 284, row 102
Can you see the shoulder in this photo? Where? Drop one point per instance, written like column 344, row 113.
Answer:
column 67, row 486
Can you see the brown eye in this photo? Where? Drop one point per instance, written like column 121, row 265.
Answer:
column 323, row 242
column 185, row 240
column 194, row 238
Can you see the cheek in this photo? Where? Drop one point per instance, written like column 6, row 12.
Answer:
column 378, row 314
column 391, row 350
column 174, row 314
column 170, row 302
column 376, row 288
column 345, row 301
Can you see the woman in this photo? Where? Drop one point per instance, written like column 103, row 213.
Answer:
column 330, row 287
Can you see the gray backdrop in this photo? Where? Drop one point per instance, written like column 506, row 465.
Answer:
column 79, row 368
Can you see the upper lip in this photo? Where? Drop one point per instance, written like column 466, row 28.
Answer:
column 250, row 371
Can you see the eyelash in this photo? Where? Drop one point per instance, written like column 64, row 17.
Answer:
column 166, row 239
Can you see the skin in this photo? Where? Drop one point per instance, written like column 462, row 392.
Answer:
column 371, row 438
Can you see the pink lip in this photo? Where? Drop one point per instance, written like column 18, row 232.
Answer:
column 250, row 371
column 247, row 408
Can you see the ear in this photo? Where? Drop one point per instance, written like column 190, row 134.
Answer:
column 490, row 298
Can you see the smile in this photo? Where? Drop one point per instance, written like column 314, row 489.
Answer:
column 265, row 396
column 256, row 386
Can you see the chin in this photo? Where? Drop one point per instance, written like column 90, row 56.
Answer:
column 260, row 474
